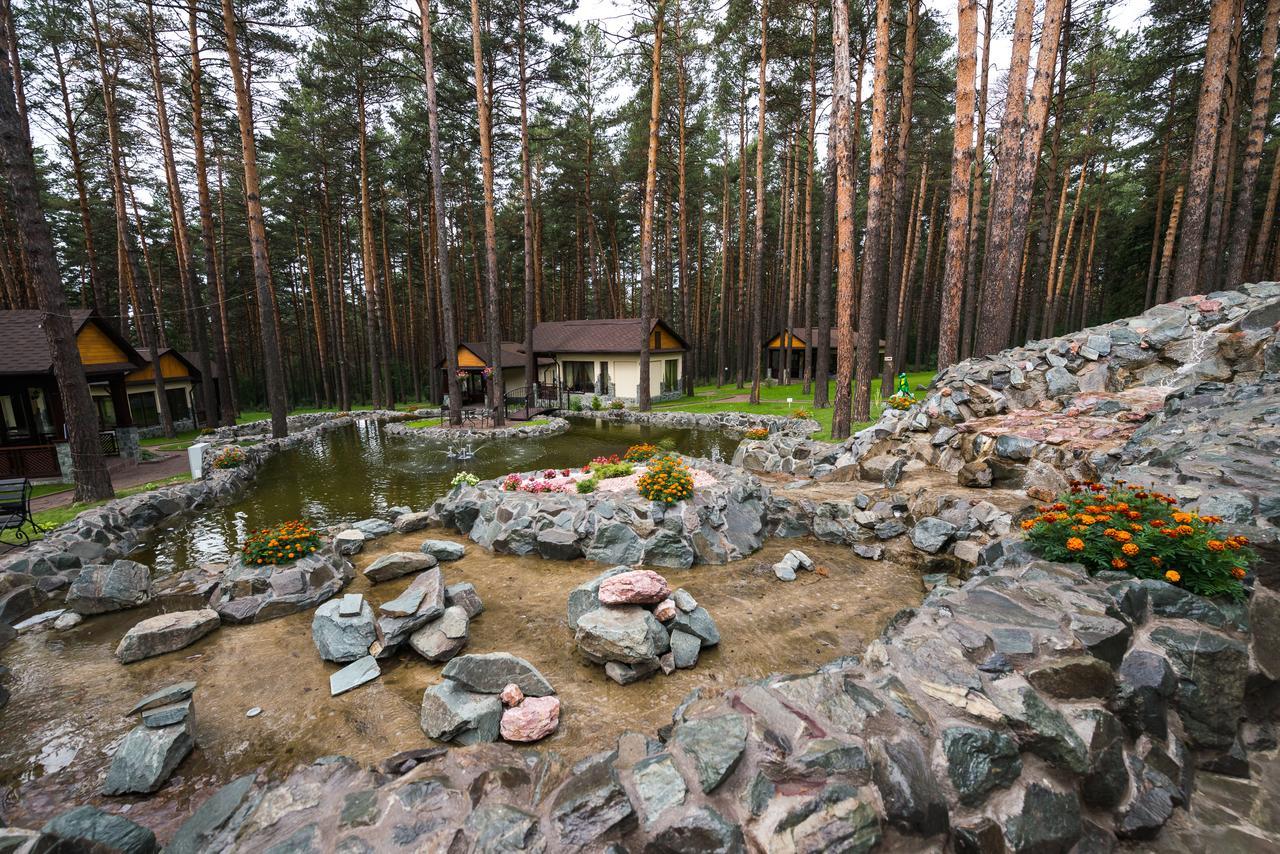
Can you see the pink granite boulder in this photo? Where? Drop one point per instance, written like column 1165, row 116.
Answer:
column 534, row 719
column 637, row 587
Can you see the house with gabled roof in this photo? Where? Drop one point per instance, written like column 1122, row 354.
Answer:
column 602, row 357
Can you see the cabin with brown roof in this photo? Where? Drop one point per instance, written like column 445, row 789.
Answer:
column 33, row 435
column 801, row 338
column 475, row 367
column 602, row 357
column 180, row 379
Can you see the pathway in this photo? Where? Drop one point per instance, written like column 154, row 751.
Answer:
column 124, row 474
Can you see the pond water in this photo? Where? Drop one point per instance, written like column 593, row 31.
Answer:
column 353, row 473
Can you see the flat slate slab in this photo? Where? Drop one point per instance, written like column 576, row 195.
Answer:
column 354, row 675
column 169, row 694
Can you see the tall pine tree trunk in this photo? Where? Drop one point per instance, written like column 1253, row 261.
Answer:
column 1204, row 146
column 756, row 342
column 843, row 194
column 93, row 482
column 272, row 361
column 646, row 215
column 1242, row 222
column 900, row 213
column 958, row 214
column 493, row 309
column 526, row 196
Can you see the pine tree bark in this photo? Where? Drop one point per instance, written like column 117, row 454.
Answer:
column 900, row 215
column 646, row 214
column 757, row 300
column 1166, row 262
column 196, row 313
column 1242, row 222
column 96, row 285
column 1257, row 261
column 690, row 360
column 493, row 308
column 526, row 193
column 126, row 247
column 958, row 218
column 272, row 361
column 843, row 195
column 93, row 482
column 1224, row 163
column 1204, row 146
column 810, row 267
column 221, row 359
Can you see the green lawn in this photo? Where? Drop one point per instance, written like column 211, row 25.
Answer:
column 53, row 517
column 773, row 400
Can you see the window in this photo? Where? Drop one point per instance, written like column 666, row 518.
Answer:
column 178, row 408
column 604, row 376
column 143, row 406
column 580, row 376
column 670, row 370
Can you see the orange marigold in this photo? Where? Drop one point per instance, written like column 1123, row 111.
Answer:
column 1173, row 576
column 1075, row 544
column 1237, row 572
column 1119, row 563
column 1215, row 545
column 1130, row 549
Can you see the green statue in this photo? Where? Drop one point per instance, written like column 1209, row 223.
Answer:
column 903, row 387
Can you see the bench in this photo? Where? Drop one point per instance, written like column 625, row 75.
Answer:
column 15, row 508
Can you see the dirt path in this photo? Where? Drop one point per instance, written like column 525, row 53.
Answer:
column 124, row 474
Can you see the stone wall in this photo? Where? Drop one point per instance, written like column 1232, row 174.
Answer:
column 721, row 523
column 515, row 430
column 180, row 426
column 727, row 422
column 40, row 573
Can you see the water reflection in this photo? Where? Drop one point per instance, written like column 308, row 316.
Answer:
column 352, row 473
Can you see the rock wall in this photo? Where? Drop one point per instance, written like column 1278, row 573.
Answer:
column 40, row 573
column 728, row 422
column 721, row 523
column 493, row 434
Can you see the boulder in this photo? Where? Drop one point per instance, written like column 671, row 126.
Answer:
column 713, row 745
column 354, row 675
column 396, row 564
column 1073, row 678
column 163, row 716
column 373, row 527
column 165, row 696
column 89, row 828
column 491, row 672
column 658, row 786
column 586, row 596
column 407, row 522
column 101, row 588
column 932, row 534
column 625, row 674
column 979, row 760
column 1264, row 624
column 451, row 713
column 1146, row 684
column 511, row 695
column 630, row 635
column 1045, row 822
column 343, row 638
column 166, row 633
column 442, row 638
column 913, row 800
column 703, row 830
column 250, row 593
column 589, row 804
column 684, row 600
column 698, row 623
column 635, row 587
column 349, row 542
column 443, row 550
column 395, row 626
column 1211, row 670
column 147, row 756
column 684, row 649
column 532, row 720
column 464, row 596
column 558, row 544
column 200, row 826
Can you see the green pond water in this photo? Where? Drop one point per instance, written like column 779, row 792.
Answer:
column 353, row 473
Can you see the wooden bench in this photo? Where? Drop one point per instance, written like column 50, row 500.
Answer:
column 15, row 508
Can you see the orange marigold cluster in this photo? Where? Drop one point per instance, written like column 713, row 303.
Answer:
column 280, row 544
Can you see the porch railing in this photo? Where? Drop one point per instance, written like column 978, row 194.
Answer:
column 29, row 461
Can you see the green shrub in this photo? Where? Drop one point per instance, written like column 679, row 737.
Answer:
column 575, row 404
column 604, row 471
column 464, row 477
column 1143, row 532
column 667, row 444
column 586, row 486
column 617, row 405
column 596, row 403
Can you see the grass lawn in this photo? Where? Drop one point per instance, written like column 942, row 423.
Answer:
column 55, row 516
column 773, row 400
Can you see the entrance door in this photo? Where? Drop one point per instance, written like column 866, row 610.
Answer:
column 604, row 377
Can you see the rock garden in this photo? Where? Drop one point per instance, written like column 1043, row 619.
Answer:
column 1089, row 657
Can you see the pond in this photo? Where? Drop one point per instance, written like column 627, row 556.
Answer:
column 356, row 472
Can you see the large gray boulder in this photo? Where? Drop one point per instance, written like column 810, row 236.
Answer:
column 147, row 756
column 396, row 564
column 89, row 828
column 343, row 638
column 586, row 596
column 166, row 633
column 491, row 672
column 251, row 593
column 444, row 637
column 395, row 625
column 452, row 713
column 100, row 588
column 443, row 550
column 628, row 634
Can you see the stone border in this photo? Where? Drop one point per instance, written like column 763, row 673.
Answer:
column 40, row 572
column 553, row 427
column 735, row 423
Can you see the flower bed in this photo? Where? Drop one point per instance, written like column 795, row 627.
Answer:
column 281, row 544
column 1143, row 532
column 608, row 474
column 230, row 457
